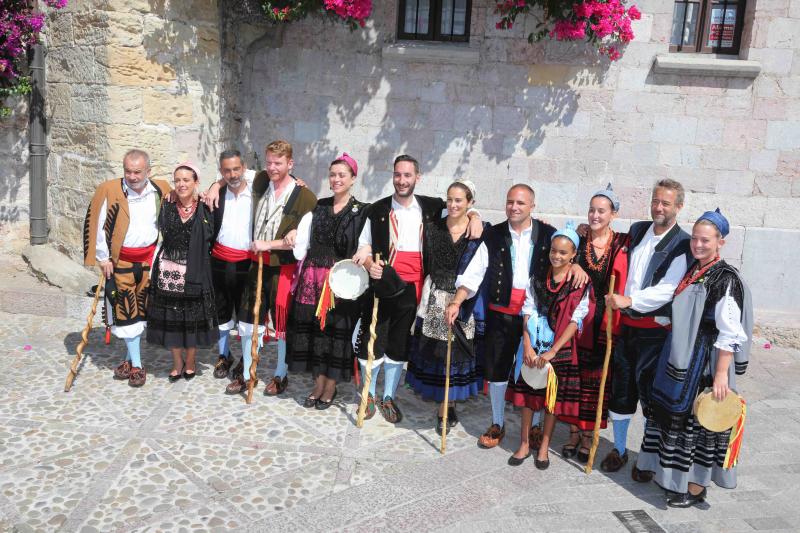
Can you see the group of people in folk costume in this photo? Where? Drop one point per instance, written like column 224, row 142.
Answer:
column 515, row 296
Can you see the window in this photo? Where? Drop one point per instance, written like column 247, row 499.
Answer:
column 434, row 20
column 707, row 26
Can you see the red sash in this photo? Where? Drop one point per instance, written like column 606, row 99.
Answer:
column 230, row 255
column 408, row 266
column 283, row 297
column 514, row 304
column 648, row 322
column 138, row 255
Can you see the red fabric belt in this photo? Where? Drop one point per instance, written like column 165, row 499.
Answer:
column 231, row 255
column 283, row 297
column 514, row 304
column 648, row 322
column 138, row 255
column 408, row 266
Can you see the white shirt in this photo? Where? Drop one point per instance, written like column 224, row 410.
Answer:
column 580, row 312
column 473, row 276
column 727, row 316
column 655, row 296
column 236, row 226
column 269, row 217
column 143, row 227
column 303, row 239
column 409, row 221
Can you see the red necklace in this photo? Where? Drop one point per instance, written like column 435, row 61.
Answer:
column 694, row 275
column 186, row 212
column 550, row 277
column 601, row 261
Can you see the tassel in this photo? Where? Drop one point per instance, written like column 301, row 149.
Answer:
column 108, row 335
column 735, row 442
column 552, row 390
column 326, row 303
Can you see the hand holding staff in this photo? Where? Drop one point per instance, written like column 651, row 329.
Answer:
column 367, row 378
column 251, row 383
column 446, row 387
column 599, row 417
column 73, row 368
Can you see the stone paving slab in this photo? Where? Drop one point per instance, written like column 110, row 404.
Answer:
column 187, row 457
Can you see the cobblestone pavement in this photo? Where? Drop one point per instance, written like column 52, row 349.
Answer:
column 184, row 456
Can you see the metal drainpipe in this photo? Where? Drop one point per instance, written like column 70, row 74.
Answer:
column 38, row 148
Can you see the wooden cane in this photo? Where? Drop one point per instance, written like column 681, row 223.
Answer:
column 446, row 387
column 76, row 361
column 251, row 383
column 599, row 417
column 367, row 377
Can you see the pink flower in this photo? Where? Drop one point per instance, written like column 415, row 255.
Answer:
column 634, row 13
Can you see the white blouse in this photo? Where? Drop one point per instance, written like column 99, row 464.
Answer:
column 727, row 316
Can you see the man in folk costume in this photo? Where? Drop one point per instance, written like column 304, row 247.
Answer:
column 278, row 205
column 512, row 252
column 231, row 254
column 394, row 228
column 658, row 257
column 119, row 235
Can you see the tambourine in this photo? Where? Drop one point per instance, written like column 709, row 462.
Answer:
column 536, row 378
column 348, row 280
column 714, row 415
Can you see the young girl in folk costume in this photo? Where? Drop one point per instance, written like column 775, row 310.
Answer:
column 601, row 253
column 319, row 334
column 180, row 313
column 446, row 252
column 553, row 314
column 709, row 345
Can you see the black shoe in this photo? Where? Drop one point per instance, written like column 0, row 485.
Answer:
column 176, row 377
column 441, row 423
column 322, row 404
column 188, row 376
column 687, row 499
column 516, row 461
column 452, row 417
column 310, row 402
column 542, row 465
column 568, row 451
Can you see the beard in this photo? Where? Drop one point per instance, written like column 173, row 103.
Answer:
column 405, row 194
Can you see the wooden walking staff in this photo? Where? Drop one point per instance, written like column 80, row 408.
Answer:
column 251, row 383
column 76, row 361
column 367, row 377
column 599, row 417
column 446, row 387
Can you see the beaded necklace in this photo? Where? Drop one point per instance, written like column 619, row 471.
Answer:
column 599, row 265
column 694, row 275
column 550, row 277
column 187, row 212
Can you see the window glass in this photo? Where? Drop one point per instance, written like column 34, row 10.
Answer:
column 417, row 16
column 454, row 17
column 722, row 27
column 685, row 23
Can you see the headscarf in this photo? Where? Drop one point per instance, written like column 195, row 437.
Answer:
column 608, row 192
column 718, row 219
column 191, row 166
column 349, row 161
column 469, row 185
column 568, row 232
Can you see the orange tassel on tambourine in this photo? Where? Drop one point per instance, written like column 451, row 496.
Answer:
column 735, row 442
column 552, row 390
column 326, row 303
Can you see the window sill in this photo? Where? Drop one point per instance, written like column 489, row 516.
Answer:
column 706, row 65
column 432, row 52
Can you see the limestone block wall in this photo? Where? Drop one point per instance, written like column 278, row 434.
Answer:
column 14, row 184
column 550, row 115
column 125, row 74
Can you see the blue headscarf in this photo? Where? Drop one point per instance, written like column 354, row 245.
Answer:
column 718, row 219
column 568, row 232
column 608, row 192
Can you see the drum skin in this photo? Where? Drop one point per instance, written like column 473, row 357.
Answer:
column 348, row 280
column 714, row 415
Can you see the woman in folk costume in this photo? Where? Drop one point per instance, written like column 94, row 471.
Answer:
column 553, row 315
column 601, row 253
column 180, row 313
column 446, row 251
column 709, row 345
column 321, row 326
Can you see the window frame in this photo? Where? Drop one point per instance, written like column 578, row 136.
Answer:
column 700, row 46
column 434, row 23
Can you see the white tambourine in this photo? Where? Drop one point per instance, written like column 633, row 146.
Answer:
column 348, row 280
column 717, row 416
column 536, row 378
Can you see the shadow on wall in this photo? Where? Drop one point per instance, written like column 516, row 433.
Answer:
column 14, row 168
column 327, row 89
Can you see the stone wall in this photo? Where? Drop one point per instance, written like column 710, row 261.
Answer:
column 14, row 184
column 124, row 74
column 499, row 111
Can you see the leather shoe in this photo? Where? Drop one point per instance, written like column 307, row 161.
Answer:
column 236, row 386
column 516, row 461
column 493, row 436
column 322, row 404
column 641, row 476
column 614, row 461
column 222, row 367
column 391, row 413
column 687, row 499
column 543, row 464
column 276, row 386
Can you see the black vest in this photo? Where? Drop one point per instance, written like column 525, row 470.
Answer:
column 499, row 274
column 674, row 244
column 378, row 215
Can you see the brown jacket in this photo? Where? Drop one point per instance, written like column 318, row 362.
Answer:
column 117, row 218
